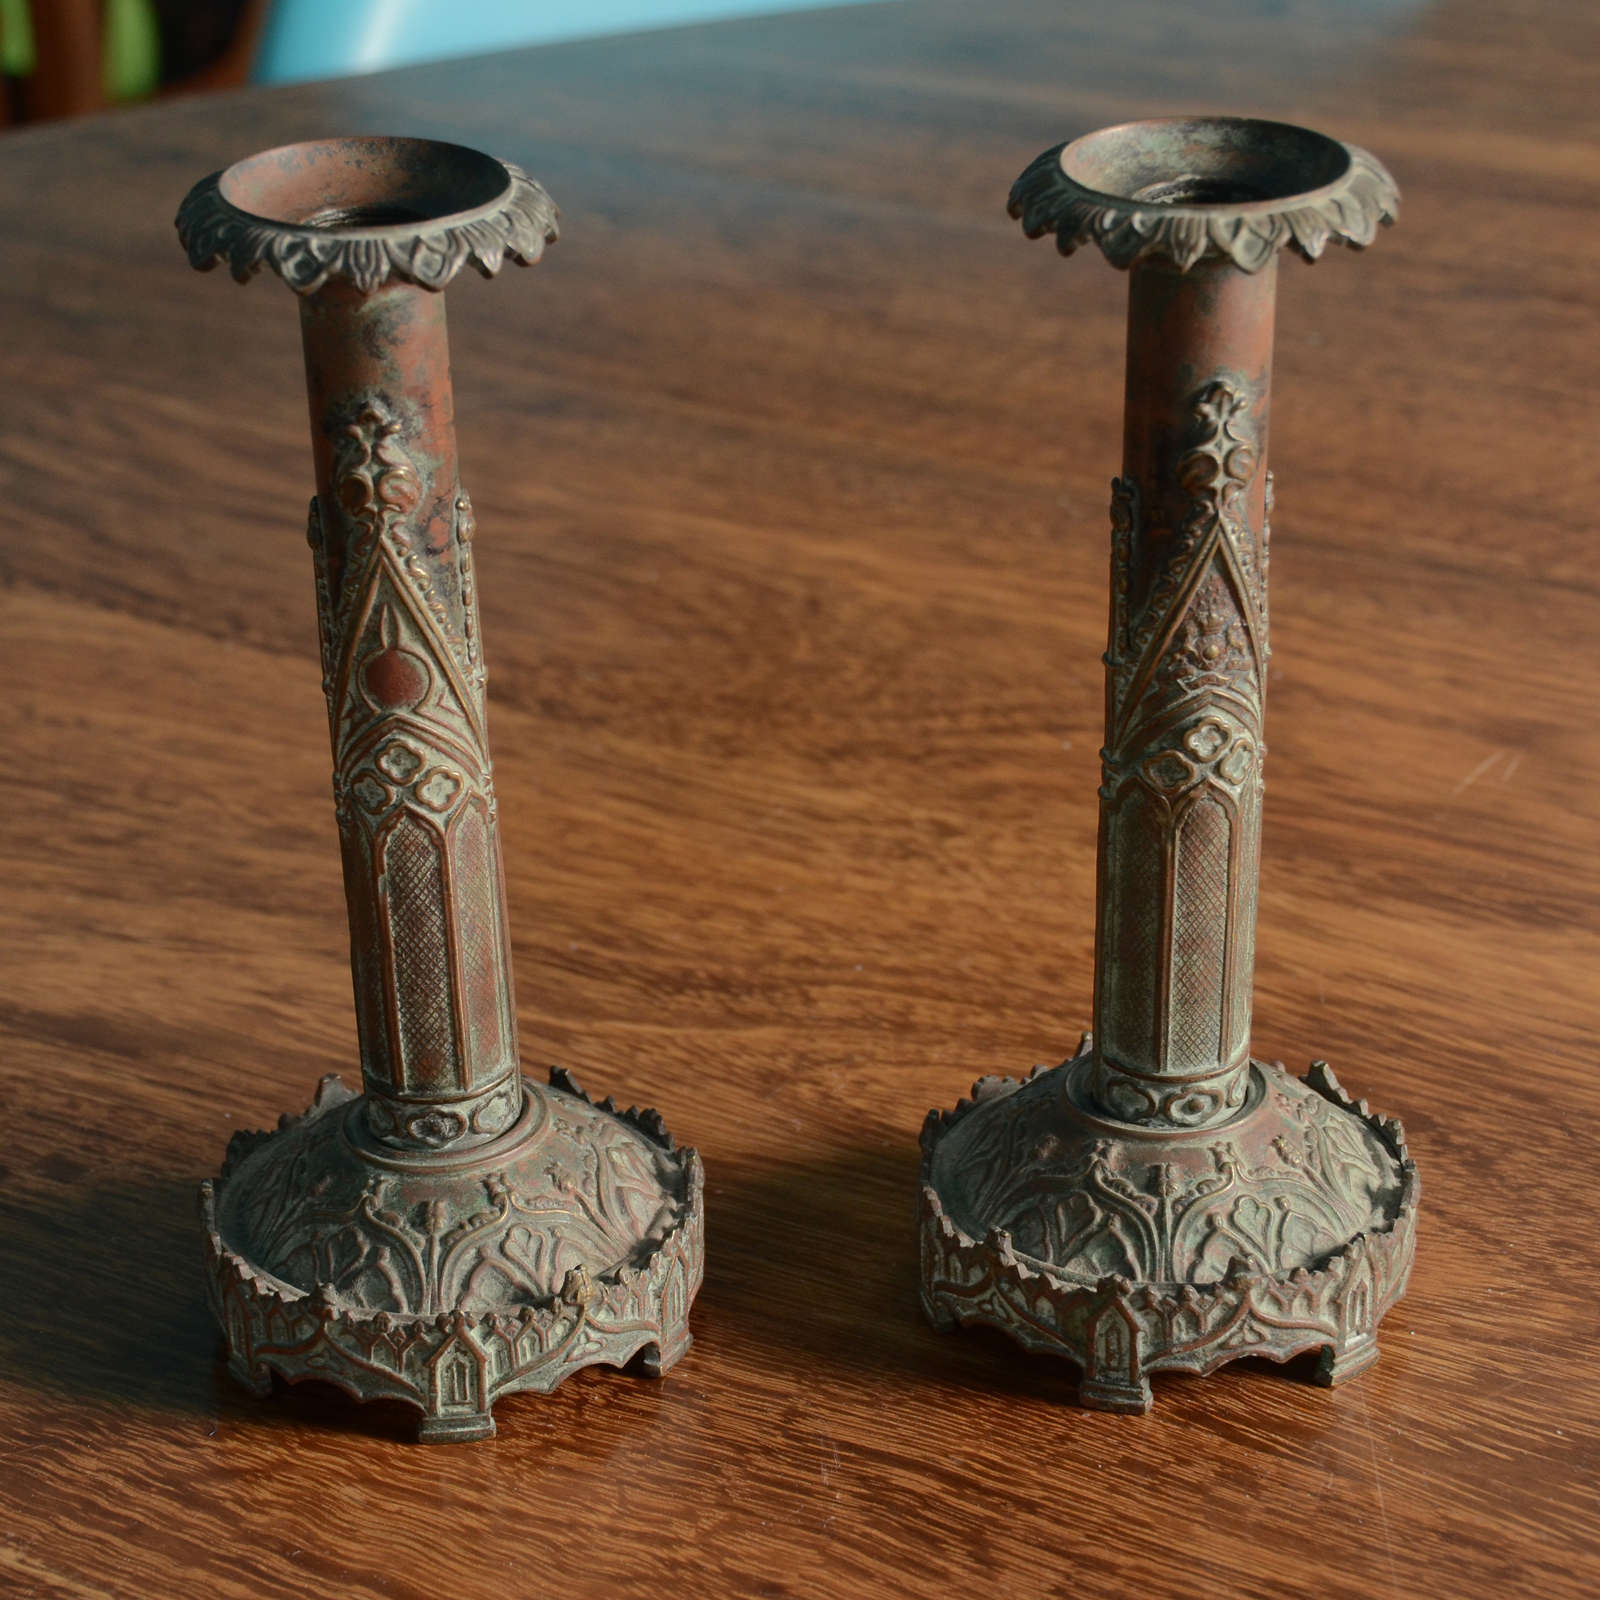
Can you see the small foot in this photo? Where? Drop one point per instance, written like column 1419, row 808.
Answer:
column 455, row 1430
column 1116, row 1394
column 939, row 1315
column 256, row 1379
column 1338, row 1363
column 655, row 1360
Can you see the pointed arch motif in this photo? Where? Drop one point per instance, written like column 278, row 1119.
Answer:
column 1180, row 801
column 414, row 794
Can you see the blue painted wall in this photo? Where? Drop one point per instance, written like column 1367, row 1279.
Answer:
column 331, row 38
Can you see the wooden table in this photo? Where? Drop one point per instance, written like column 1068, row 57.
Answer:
column 790, row 465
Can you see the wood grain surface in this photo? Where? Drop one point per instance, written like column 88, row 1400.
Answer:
column 790, row 466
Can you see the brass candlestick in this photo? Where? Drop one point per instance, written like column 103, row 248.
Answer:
column 1161, row 1200
column 457, row 1231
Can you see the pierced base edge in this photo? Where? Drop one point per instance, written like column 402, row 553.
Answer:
column 1118, row 1331
column 453, row 1367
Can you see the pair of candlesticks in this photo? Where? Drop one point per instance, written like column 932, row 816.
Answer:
column 1159, row 1201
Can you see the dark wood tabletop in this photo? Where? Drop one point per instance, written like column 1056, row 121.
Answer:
column 790, row 466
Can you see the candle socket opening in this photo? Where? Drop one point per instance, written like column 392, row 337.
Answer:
column 1192, row 190
column 375, row 182
column 1205, row 161
column 367, row 216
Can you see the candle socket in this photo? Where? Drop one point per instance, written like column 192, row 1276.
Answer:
column 456, row 1231
column 1162, row 1200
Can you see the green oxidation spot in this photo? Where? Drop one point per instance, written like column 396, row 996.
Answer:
column 132, row 65
column 17, row 58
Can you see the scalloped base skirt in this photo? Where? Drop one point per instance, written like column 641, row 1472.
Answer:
column 447, row 1280
column 1289, row 1228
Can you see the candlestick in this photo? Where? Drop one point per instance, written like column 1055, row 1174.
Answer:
column 1162, row 1201
column 456, row 1231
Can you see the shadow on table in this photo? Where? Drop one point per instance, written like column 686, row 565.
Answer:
column 104, row 1299
column 817, row 1261
column 811, row 1266
column 102, row 1289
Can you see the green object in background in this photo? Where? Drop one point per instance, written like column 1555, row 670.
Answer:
column 132, row 63
column 17, row 59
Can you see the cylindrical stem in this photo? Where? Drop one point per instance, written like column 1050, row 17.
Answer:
column 390, row 532
column 1180, row 804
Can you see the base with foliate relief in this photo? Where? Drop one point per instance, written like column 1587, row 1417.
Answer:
column 448, row 1279
column 1288, row 1228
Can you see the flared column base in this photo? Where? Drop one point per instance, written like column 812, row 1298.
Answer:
column 447, row 1280
column 1287, row 1229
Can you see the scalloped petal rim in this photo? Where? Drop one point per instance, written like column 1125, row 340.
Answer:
column 1045, row 200
column 517, row 228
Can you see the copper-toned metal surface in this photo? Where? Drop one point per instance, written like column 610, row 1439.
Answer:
column 456, row 1232
column 1162, row 1200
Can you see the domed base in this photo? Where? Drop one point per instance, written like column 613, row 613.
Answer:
column 1288, row 1228
column 446, row 1280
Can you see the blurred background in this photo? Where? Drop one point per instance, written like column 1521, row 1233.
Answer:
column 62, row 58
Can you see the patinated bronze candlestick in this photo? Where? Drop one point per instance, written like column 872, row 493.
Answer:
column 457, row 1231
column 1161, row 1200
